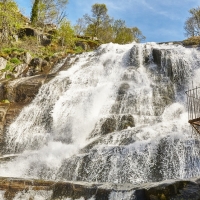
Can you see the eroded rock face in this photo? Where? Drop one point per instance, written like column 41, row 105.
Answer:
column 13, row 188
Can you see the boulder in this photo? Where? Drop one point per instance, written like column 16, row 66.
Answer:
column 36, row 62
column 20, row 69
column 83, row 45
column 25, row 90
column 35, row 66
column 45, row 40
column 3, row 63
column 27, row 57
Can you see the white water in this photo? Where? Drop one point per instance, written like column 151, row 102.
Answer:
column 69, row 111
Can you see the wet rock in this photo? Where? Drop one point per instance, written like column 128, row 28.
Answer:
column 157, row 56
column 3, row 63
column 126, row 121
column 122, row 91
column 134, row 57
column 123, row 88
column 177, row 190
column 108, row 126
column 24, row 90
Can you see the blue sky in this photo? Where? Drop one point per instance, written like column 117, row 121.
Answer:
column 159, row 20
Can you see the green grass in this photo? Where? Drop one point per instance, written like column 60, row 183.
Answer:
column 15, row 61
column 78, row 49
column 5, row 101
column 9, row 67
column 11, row 50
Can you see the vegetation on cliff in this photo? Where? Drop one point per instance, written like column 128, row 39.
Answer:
column 48, row 34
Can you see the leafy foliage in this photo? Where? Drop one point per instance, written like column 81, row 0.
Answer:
column 98, row 20
column 49, row 11
column 11, row 20
column 66, row 34
column 100, row 26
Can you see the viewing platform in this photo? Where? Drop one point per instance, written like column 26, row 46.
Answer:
column 193, row 102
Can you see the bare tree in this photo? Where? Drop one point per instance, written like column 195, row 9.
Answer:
column 80, row 26
column 192, row 24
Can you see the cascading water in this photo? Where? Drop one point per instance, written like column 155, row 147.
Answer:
column 116, row 115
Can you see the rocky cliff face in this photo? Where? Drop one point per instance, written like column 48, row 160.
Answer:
column 13, row 188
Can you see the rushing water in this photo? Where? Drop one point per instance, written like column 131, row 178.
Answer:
column 118, row 114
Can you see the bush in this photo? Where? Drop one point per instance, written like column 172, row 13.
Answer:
column 78, row 49
column 192, row 41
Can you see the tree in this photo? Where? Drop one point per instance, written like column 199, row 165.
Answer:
column 106, row 29
column 192, row 24
column 11, row 20
column 66, row 33
column 35, row 12
column 124, row 35
column 49, row 11
column 98, row 19
column 118, row 25
column 137, row 34
column 80, row 26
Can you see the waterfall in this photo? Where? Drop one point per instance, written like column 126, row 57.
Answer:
column 118, row 115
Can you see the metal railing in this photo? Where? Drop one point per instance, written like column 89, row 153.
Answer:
column 193, row 103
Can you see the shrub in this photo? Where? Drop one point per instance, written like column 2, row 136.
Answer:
column 78, row 49
column 192, row 41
